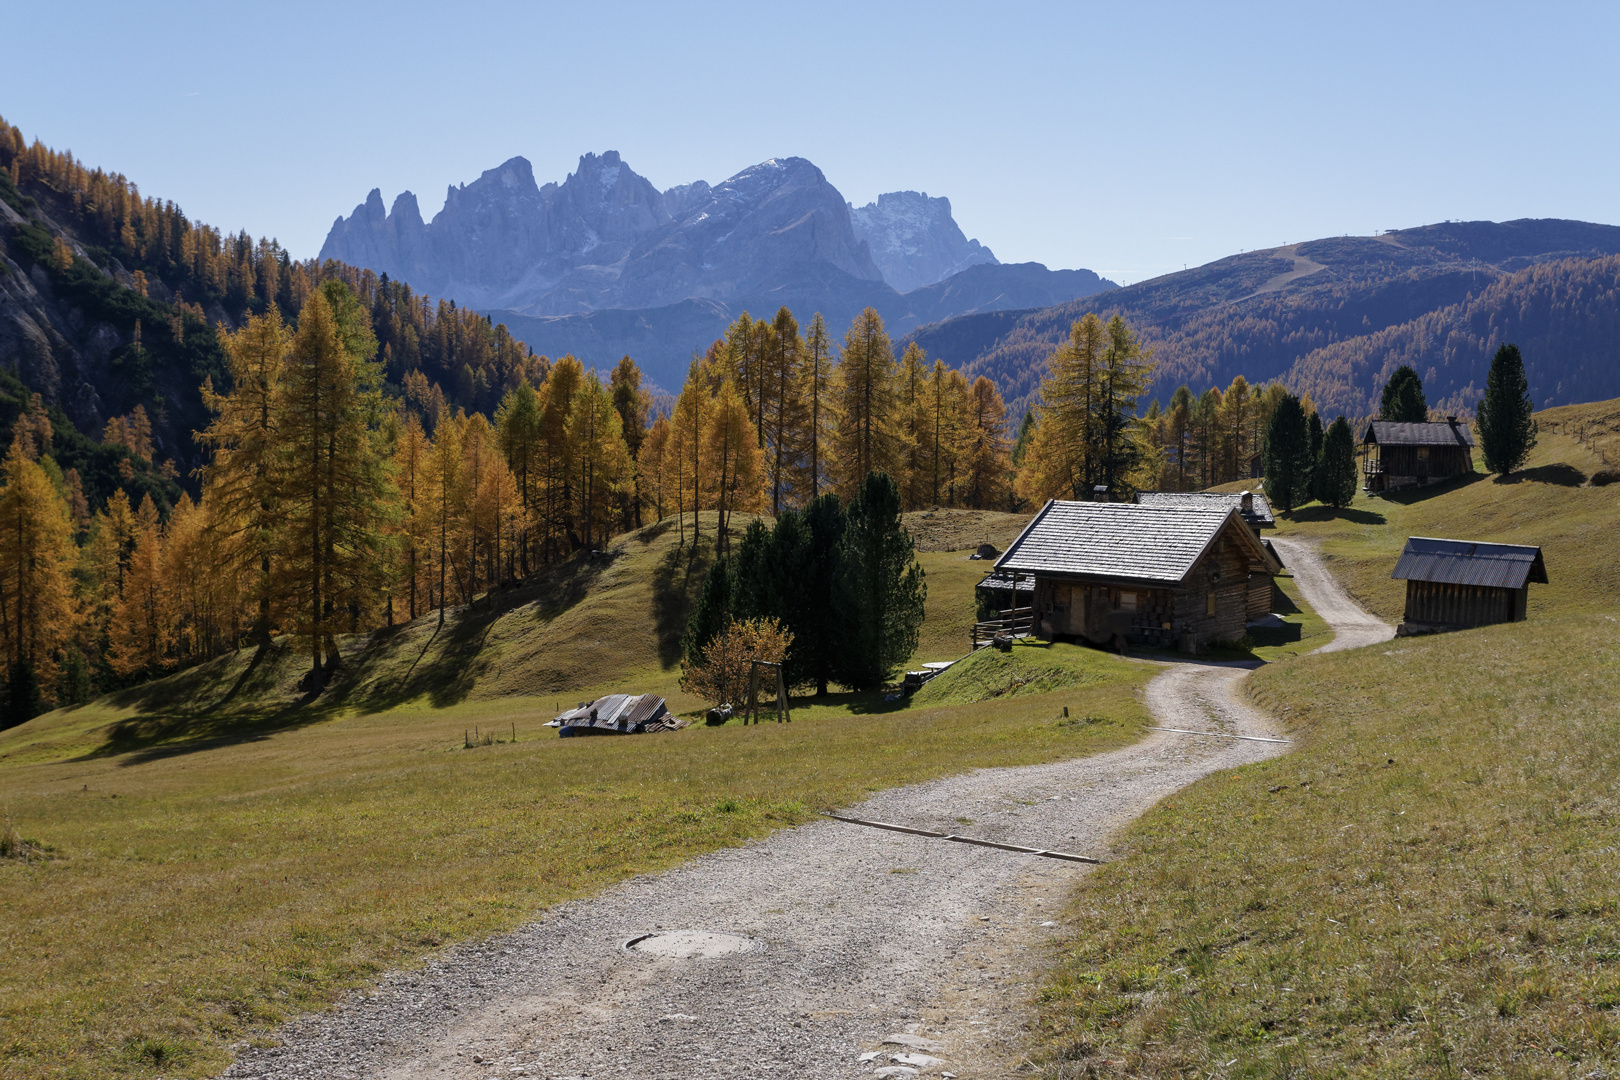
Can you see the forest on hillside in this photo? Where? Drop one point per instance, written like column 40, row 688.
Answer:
column 1336, row 317
column 317, row 451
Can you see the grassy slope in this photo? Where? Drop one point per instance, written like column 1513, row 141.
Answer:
column 223, row 862
column 1426, row 886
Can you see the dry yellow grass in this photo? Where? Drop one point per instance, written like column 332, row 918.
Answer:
column 223, row 861
column 1427, row 885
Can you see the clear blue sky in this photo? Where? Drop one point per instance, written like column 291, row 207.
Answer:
column 1128, row 138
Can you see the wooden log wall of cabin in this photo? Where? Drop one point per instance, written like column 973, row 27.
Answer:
column 1442, row 604
column 1260, row 584
column 1425, row 462
column 1044, row 600
column 1230, row 562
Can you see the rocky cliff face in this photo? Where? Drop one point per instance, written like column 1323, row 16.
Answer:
column 914, row 239
column 606, row 237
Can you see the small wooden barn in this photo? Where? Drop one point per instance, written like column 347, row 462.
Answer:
column 1398, row 455
column 1176, row 577
column 1451, row 584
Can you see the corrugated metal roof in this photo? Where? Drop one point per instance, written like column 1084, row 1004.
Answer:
column 1124, row 541
column 1259, row 515
column 1394, row 433
column 1466, row 562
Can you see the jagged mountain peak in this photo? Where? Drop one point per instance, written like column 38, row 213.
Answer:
column 914, row 239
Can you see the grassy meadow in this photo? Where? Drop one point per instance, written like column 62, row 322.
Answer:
column 1427, row 885
column 211, row 854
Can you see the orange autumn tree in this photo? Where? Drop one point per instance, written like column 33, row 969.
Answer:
column 141, row 635
column 36, row 596
column 722, row 675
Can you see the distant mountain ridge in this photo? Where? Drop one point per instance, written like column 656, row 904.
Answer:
column 604, row 264
column 1336, row 316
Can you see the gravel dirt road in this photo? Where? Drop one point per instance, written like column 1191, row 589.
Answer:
column 853, row 952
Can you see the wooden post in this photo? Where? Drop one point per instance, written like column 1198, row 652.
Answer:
column 782, row 696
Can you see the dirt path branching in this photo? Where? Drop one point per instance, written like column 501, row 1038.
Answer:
column 865, row 953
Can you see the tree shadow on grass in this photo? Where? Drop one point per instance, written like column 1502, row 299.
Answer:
column 186, row 712
column 1319, row 512
column 677, row 580
column 1408, row 496
column 1559, row 474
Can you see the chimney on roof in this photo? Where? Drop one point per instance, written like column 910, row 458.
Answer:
column 1247, row 502
column 1452, row 420
column 1099, row 493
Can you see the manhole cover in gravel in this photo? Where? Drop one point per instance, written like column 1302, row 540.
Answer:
column 691, row 944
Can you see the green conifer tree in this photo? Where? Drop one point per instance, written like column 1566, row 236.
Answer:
column 1287, row 455
column 1507, row 428
column 1335, row 474
column 1403, row 399
column 881, row 589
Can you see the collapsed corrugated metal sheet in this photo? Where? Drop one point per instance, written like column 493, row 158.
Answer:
column 1467, row 562
column 1396, row 433
column 619, row 714
column 1259, row 512
column 1120, row 541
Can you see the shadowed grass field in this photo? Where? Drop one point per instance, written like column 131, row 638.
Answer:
column 216, row 855
column 1427, row 886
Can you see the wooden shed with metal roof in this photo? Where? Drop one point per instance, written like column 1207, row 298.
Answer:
column 1398, row 454
column 1452, row 584
column 1177, row 577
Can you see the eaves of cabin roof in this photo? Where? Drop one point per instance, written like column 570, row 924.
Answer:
column 1397, row 433
column 1124, row 541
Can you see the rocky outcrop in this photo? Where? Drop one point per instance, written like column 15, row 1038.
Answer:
column 914, row 239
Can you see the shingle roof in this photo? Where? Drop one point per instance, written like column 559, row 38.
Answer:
column 1465, row 562
column 1394, row 433
column 1259, row 515
column 1119, row 540
column 1006, row 580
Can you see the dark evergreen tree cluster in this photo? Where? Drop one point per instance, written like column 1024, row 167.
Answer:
column 843, row 578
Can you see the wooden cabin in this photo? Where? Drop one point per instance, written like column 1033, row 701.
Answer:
column 1178, row 577
column 1452, row 584
column 1397, row 455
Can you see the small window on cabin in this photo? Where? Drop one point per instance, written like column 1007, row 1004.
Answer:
column 1209, row 603
column 1127, row 601
column 1423, row 453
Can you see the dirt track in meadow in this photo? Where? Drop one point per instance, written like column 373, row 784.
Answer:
column 855, row 934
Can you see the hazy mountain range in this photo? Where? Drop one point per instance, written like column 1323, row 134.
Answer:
column 604, row 264
column 1334, row 317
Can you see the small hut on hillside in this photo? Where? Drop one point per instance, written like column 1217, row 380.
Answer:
column 1401, row 455
column 1170, row 576
column 1452, row 584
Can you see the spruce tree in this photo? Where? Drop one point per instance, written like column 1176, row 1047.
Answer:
column 1403, row 399
column 1313, row 426
column 881, row 589
column 1335, row 475
column 1507, row 428
column 819, row 638
column 1287, row 455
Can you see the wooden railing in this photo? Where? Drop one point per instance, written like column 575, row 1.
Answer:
column 1014, row 622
